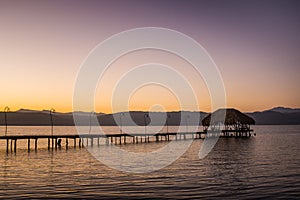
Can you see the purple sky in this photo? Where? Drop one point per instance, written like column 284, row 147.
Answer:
column 255, row 44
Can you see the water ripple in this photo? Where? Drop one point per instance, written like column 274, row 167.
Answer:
column 262, row 167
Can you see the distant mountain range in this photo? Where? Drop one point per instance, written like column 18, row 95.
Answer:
column 277, row 116
column 285, row 110
column 25, row 117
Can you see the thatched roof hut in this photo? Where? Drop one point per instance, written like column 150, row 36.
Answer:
column 232, row 117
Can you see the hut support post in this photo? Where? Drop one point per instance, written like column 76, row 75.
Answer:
column 28, row 145
column 15, row 146
column 7, row 144
column 67, row 143
column 11, row 143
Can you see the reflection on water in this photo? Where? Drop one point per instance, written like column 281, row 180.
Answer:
column 265, row 166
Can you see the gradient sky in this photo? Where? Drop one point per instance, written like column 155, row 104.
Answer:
column 255, row 44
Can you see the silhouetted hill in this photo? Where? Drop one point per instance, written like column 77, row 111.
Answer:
column 285, row 110
column 138, row 118
column 25, row 117
column 275, row 118
column 32, row 118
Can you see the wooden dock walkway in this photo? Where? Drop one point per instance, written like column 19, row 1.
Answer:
column 118, row 138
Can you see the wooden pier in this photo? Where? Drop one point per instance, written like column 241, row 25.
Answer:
column 119, row 138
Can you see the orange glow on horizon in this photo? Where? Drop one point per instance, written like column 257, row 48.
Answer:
column 42, row 53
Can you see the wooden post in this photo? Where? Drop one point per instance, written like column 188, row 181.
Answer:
column 28, row 144
column 92, row 141
column 67, row 143
column 120, row 139
column 35, row 144
column 55, row 143
column 7, row 144
column 74, row 142
column 79, row 145
column 48, row 143
column 11, row 143
column 98, row 141
column 15, row 147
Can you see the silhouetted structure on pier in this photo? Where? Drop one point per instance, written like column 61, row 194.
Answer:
column 229, row 121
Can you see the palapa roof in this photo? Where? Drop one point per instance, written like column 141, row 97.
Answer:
column 232, row 116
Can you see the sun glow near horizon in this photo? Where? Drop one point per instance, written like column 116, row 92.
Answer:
column 254, row 49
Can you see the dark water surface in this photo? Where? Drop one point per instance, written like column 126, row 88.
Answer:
column 265, row 166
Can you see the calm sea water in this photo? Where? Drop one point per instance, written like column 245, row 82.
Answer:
column 260, row 167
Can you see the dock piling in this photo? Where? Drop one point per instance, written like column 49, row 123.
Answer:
column 15, row 146
column 28, row 144
column 67, row 143
column 7, row 144
column 35, row 144
column 55, row 143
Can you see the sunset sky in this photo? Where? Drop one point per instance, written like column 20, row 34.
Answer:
column 255, row 44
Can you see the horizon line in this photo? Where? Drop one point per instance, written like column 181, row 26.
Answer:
column 30, row 109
